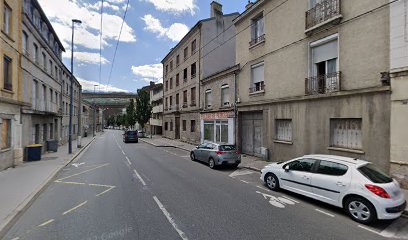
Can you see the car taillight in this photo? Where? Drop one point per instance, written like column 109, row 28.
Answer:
column 377, row 191
column 237, row 152
column 219, row 152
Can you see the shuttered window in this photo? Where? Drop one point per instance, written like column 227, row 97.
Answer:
column 5, row 133
column 208, row 99
column 346, row 133
column 225, row 95
column 283, row 130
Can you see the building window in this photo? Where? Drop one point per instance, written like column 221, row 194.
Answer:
column 184, row 125
column 177, row 79
column 50, row 64
column 25, row 43
column 166, row 106
column 185, row 53
column 171, row 102
column 177, row 99
column 193, row 96
column 193, row 126
column 193, row 47
column 177, row 60
column 171, row 66
column 257, row 78
column 167, row 69
column 283, row 130
column 184, row 98
column 45, row 132
column 5, row 134
column 34, row 95
column 36, row 53
column 166, row 126
column 44, row 61
column 171, row 83
column 193, row 70
column 171, row 126
column 257, row 30
column 208, row 98
column 7, row 74
column 7, row 19
column 185, row 75
column 216, row 131
column 346, row 133
column 323, row 66
column 167, row 85
column 225, row 95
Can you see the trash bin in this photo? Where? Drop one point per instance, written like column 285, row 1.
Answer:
column 52, row 146
column 33, row 152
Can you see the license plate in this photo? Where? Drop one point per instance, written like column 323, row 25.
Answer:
column 231, row 161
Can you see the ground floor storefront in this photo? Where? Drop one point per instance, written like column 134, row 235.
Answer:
column 218, row 127
column 10, row 136
column 352, row 125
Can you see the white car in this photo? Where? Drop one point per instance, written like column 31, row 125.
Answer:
column 364, row 191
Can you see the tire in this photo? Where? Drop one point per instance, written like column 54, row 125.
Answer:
column 192, row 156
column 234, row 165
column 360, row 210
column 272, row 182
column 211, row 163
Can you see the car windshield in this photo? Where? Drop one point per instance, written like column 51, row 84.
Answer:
column 371, row 172
column 227, row 148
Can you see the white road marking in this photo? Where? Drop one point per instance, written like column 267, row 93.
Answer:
column 74, row 208
column 123, row 153
column 293, row 200
column 77, row 164
column 170, row 219
column 279, row 202
column 321, row 211
column 241, row 172
column 16, row 238
column 107, row 190
column 103, row 165
column 367, row 228
column 140, row 178
column 394, row 228
column 244, row 181
column 265, row 189
column 128, row 160
column 46, row 223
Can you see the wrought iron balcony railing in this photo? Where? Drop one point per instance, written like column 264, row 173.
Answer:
column 257, row 40
column 258, row 87
column 322, row 12
column 323, row 84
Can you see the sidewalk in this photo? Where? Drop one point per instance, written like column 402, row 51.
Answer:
column 250, row 162
column 21, row 185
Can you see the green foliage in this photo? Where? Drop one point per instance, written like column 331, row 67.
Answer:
column 131, row 114
column 143, row 107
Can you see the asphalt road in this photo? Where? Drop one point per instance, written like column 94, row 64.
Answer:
column 137, row 191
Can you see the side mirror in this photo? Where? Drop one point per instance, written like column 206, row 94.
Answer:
column 287, row 168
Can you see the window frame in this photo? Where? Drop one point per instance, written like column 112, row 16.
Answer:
column 277, row 135
column 7, row 144
column 7, row 75
column 225, row 87
column 208, row 96
column 7, row 19
column 348, row 145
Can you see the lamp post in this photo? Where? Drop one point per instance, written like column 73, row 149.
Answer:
column 94, row 113
column 71, row 107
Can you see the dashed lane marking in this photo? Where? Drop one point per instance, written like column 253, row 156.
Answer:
column 368, row 229
column 74, row 208
column 128, row 160
column 100, row 185
column 170, row 219
column 244, row 181
column 326, row 213
column 46, row 223
column 140, row 178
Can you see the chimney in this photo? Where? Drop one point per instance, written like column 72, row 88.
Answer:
column 216, row 9
column 249, row 5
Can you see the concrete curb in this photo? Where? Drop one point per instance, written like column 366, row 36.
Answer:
column 22, row 207
column 172, row 146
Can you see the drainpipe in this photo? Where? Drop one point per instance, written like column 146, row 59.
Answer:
column 235, row 110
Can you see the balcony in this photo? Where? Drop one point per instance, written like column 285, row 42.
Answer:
column 185, row 105
column 193, row 103
column 157, row 109
column 323, row 13
column 257, row 40
column 156, row 122
column 323, row 84
column 174, row 108
column 257, row 88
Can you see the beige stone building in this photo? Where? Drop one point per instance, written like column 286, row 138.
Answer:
column 156, row 101
column 201, row 53
column 399, row 86
column 310, row 79
column 11, row 96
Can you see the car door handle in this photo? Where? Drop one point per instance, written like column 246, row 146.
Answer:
column 340, row 184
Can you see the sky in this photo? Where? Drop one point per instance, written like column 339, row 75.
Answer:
column 151, row 29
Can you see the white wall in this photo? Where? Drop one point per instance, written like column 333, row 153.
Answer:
column 399, row 34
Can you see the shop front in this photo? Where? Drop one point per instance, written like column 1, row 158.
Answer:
column 218, row 127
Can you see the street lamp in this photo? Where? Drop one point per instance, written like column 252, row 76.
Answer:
column 71, row 107
column 94, row 113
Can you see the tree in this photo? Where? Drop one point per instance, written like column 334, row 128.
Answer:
column 143, row 108
column 131, row 114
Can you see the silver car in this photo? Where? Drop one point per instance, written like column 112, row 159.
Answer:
column 216, row 154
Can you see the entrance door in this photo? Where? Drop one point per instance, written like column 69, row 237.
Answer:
column 251, row 133
column 177, row 128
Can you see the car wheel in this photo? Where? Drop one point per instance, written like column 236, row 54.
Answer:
column 211, row 163
column 360, row 210
column 235, row 165
column 272, row 181
column 192, row 156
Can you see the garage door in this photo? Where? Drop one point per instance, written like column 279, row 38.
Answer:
column 251, row 133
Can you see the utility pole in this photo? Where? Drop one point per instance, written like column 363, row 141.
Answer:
column 71, row 104
column 94, row 113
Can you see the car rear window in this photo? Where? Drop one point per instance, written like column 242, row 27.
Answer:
column 131, row 133
column 371, row 172
column 227, row 148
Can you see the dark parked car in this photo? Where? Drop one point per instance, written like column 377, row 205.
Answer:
column 130, row 136
column 216, row 154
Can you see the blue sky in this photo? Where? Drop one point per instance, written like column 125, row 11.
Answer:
column 152, row 27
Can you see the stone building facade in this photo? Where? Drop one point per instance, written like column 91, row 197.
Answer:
column 195, row 57
column 305, row 85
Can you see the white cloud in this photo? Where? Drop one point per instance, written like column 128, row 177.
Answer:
column 61, row 13
column 97, row 6
column 150, row 72
column 89, row 86
column 174, row 6
column 85, row 57
column 175, row 32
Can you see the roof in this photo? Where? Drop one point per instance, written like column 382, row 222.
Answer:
column 338, row 158
column 192, row 30
column 247, row 11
